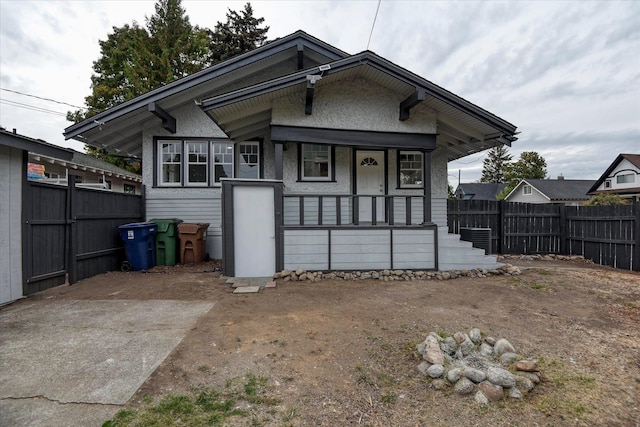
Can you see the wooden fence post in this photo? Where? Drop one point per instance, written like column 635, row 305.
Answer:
column 563, row 229
column 501, row 208
column 636, row 232
column 71, row 229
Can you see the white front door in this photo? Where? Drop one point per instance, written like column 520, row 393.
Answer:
column 370, row 175
column 254, row 231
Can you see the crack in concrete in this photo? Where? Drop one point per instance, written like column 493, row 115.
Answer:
column 42, row 396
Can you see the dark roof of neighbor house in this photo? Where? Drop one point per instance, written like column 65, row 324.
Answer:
column 21, row 142
column 84, row 161
column 480, row 190
column 559, row 189
column 462, row 126
column 633, row 158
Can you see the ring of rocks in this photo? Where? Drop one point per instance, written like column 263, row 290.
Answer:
column 469, row 363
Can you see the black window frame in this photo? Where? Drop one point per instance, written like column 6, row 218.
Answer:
column 398, row 180
column 332, row 164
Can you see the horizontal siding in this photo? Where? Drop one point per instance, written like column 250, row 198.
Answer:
column 414, row 249
column 193, row 208
column 360, row 249
column 439, row 211
column 308, row 249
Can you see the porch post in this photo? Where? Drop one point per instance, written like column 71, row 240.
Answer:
column 279, row 148
column 426, row 179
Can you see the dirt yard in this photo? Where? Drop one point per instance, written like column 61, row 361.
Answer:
column 338, row 353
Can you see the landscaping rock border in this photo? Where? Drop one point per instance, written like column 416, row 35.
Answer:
column 302, row 275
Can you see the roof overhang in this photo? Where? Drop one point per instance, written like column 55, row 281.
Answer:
column 31, row 145
column 462, row 126
column 120, row 128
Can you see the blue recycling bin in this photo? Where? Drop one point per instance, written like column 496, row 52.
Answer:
column 139, row 245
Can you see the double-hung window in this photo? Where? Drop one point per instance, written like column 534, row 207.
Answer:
column 170, row 163
column 316, row 162
column 410, row 169
column 222, row 160
column 248, row 160
column 197, row 163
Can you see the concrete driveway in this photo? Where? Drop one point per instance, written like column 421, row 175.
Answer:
column 75, row 363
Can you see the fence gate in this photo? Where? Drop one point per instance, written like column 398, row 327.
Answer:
column 70, row 233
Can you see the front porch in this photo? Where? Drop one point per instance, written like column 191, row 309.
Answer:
column 325, row 232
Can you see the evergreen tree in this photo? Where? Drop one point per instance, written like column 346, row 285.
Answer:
column 495, row 165
column 177, row 48
column 135, row 60
column 241, row 33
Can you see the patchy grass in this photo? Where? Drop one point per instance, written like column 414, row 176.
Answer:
column 201, row 407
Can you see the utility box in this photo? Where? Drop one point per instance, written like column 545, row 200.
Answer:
column 167, row 246
column 193, row 239
column 479, row 237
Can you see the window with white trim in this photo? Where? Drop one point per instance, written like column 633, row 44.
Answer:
column 410, row 169
column 316, row 162
column 625, row 179
column 526, row 190
column 197, row 172
column 607, row 183
column 249, row 160
column 222, row 160
column 170, row 162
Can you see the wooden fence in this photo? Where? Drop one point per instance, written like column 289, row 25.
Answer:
column 70, row 233
column 608, row 235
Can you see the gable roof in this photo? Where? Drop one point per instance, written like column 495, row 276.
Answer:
column 21, row 142
column 464, row 127
column 558, row 189
column 120, row 126
column 280, row 66
column 481, row 190
column 634, row 159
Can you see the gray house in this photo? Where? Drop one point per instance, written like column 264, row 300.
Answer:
column 300, row 155
column 570, row 192
column 14, row 150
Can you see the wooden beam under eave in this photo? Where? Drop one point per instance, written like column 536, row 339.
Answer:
column 405, row 106
column 300, row 56
column 308, row 105
column 168, row 121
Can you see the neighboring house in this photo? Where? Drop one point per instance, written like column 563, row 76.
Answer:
column 13, row 178
column 479, row 190
column 622, row 178
column 300, row 155
column 90, row 172
column 570, row 192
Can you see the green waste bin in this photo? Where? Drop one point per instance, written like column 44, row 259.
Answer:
column 167, row 243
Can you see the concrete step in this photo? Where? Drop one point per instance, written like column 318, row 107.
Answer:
column 456, row 254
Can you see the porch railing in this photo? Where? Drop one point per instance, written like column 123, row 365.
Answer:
column 345, row 210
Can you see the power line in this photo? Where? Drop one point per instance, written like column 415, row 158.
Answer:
column 374, row 23
column 31, row 107
column 42, row 98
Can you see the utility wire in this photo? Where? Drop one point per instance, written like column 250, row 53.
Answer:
column 44, row 99
column 31, row 107
column 374, row 23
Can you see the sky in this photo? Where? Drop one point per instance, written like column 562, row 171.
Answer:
column 567, row 74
